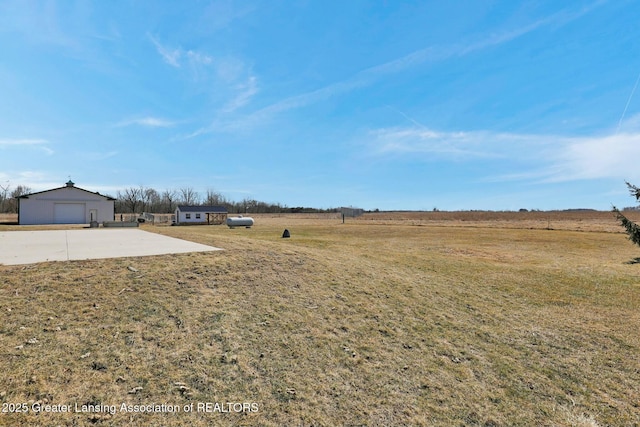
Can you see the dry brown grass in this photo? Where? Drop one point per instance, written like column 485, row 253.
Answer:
column 539, row 220
column 380, row 321
column 8, row 218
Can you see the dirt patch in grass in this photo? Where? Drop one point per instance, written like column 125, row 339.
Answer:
column 355, row 324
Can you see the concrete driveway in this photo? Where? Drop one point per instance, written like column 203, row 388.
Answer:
column 28, row 247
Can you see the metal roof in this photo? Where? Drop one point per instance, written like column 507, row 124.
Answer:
column 26, row 196
column 202, row 209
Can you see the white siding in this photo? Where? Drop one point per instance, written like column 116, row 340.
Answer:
column 69, row 213
column 41, row 208
column 182, row 217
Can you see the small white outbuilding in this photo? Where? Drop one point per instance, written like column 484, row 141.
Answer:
column 186, row 214
column 65, row 205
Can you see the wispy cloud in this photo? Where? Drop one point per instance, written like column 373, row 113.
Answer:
column 633, row 120
column 100, row 155
column 246, row 91
column 177, row 56
column 539, row 158
column 152, row 122
column 23, row 142
column 41, row 23
column 229, row 75
column 565, row 159
column 170, row 55
column 198, row 57
column 33, row 179
column 611, row 156
column 456, row 145
column 264, row 114
column 221, row 14
column 41, row 144
column 630, row 124
column 372, row 74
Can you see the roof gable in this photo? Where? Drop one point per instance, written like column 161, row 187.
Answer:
column 60, row 190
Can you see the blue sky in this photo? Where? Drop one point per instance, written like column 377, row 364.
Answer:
column 377, row 104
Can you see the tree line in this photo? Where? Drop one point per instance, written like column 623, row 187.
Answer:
column 145, row 199
column 9, row 197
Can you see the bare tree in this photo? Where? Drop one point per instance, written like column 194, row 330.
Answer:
column 189, row 196
column 150, row 199
column 131, row 198
column 168, row 199
column 20, row 190
column 4, row 191
column 249, row 205
column 214, row 198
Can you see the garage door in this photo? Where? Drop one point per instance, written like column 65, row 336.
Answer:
column 69, row 213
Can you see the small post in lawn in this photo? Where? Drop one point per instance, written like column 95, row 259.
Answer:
column 351, row 212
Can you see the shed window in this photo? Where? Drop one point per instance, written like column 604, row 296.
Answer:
column 197, row 216
column 188, row 216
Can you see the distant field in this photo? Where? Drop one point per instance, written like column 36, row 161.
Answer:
column 556, row 220
column 425, row 319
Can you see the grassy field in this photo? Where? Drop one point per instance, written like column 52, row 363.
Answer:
column 465, row 319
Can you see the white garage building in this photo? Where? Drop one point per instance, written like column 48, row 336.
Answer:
column 64, row 205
